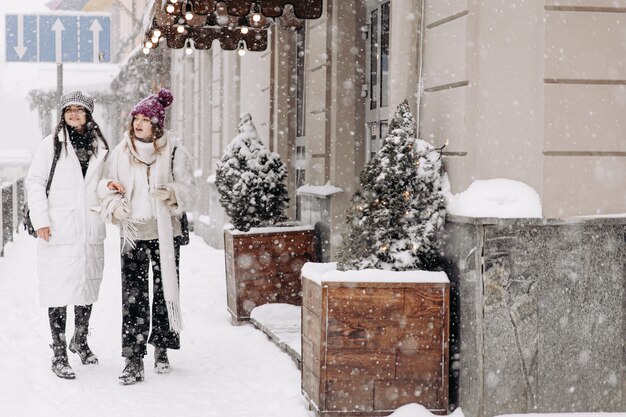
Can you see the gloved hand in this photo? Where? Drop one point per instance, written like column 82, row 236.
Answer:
column 121, row 212
column 167, row 195
column 162, row 194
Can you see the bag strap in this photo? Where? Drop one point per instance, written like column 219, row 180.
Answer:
column 172, row 164
column 57, row 154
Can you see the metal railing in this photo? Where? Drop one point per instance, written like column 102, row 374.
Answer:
column 12, row 199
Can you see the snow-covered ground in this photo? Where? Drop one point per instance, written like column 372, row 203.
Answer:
column 221, row 370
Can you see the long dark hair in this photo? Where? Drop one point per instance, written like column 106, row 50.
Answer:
column 92, row 131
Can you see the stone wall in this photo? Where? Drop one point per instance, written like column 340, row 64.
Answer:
column 538, row 320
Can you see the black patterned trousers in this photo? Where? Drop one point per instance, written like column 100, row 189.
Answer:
column 138, row 319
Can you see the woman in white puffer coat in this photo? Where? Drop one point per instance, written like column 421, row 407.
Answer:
column 147, row 184
column 70, row 251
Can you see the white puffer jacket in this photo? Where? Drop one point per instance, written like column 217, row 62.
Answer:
column 69, row 265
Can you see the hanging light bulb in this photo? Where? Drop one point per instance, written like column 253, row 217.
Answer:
column 244, row 29
column 242, row 49
column 157, row 33
column 146, row 50
column 188, row 49
column 188, row 11
column 154, row 39
column 170, row 8
column 174, row 1
column 149, row 44
column 180, row 29
column 256, row 17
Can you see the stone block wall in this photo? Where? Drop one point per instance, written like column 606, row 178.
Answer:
column 538, row 320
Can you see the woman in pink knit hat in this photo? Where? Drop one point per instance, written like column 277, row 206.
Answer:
column 147, row 184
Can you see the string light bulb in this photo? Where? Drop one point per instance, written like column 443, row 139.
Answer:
column 154, row 39
column 174, row 1
column 256, row 17
column 145, row 50
column 180, row 29
column 244, row 29
column 149, row 44
column 188, row 11
column 242, row 49
column 157, row 33
column 170, row 8
column 188, row 49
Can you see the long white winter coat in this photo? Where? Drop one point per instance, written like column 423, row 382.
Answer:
column 69, row 265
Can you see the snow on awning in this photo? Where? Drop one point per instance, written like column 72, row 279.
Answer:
column 234, row 23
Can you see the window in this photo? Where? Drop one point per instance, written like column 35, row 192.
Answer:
column 377, row 110
column 300, row 52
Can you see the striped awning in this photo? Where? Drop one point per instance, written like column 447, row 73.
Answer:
column 234, row 23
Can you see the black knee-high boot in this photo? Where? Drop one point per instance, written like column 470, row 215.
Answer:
column 57, row 317
column 78, row 344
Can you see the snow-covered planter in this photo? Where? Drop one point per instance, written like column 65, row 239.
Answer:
column 263, row 266
column 374, row 340
column 263, row 254
column 376, row 325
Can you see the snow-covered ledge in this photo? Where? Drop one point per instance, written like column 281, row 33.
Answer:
column 328, row 272
column 320, row 191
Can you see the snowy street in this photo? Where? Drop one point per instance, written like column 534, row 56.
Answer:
column 221, row 370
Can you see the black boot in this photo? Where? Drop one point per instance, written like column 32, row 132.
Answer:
column 78, row 344
column 60, row 364
column 161, row 362
column 133, row 371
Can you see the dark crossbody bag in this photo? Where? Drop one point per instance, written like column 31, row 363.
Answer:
column 183, row 239
column 28, row 225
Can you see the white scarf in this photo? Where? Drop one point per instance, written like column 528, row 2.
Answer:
column 161, row 173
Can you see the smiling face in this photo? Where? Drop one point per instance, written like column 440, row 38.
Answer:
column 142, row 127
column 75, row 116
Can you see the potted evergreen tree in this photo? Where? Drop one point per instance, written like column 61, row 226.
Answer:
column 378, row 318
column 264, row 255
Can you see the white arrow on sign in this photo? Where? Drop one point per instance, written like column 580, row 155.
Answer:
column 58, row 29
column 95, row 30
column 20, row 49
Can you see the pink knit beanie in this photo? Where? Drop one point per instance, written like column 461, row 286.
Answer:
column 154, row 106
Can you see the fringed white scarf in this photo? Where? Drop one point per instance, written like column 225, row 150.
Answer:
column 161, row 174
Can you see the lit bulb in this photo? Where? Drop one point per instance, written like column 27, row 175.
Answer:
column 188, row 15
column 180, row 29
column 241, row 51
column 256, row 18
column 148, row 44
column 174, row 1
column 146, row 50
column 157, row 33
column 188, row 50
column 244, row 29
column 154, row 39
column 169, row 8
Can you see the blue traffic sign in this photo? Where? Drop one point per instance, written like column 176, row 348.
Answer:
column 58, row 38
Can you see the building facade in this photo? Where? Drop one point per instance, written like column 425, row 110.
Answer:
column 531, row 91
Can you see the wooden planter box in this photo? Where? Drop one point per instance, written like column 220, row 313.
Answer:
column 263, row 266
column 372, row 344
